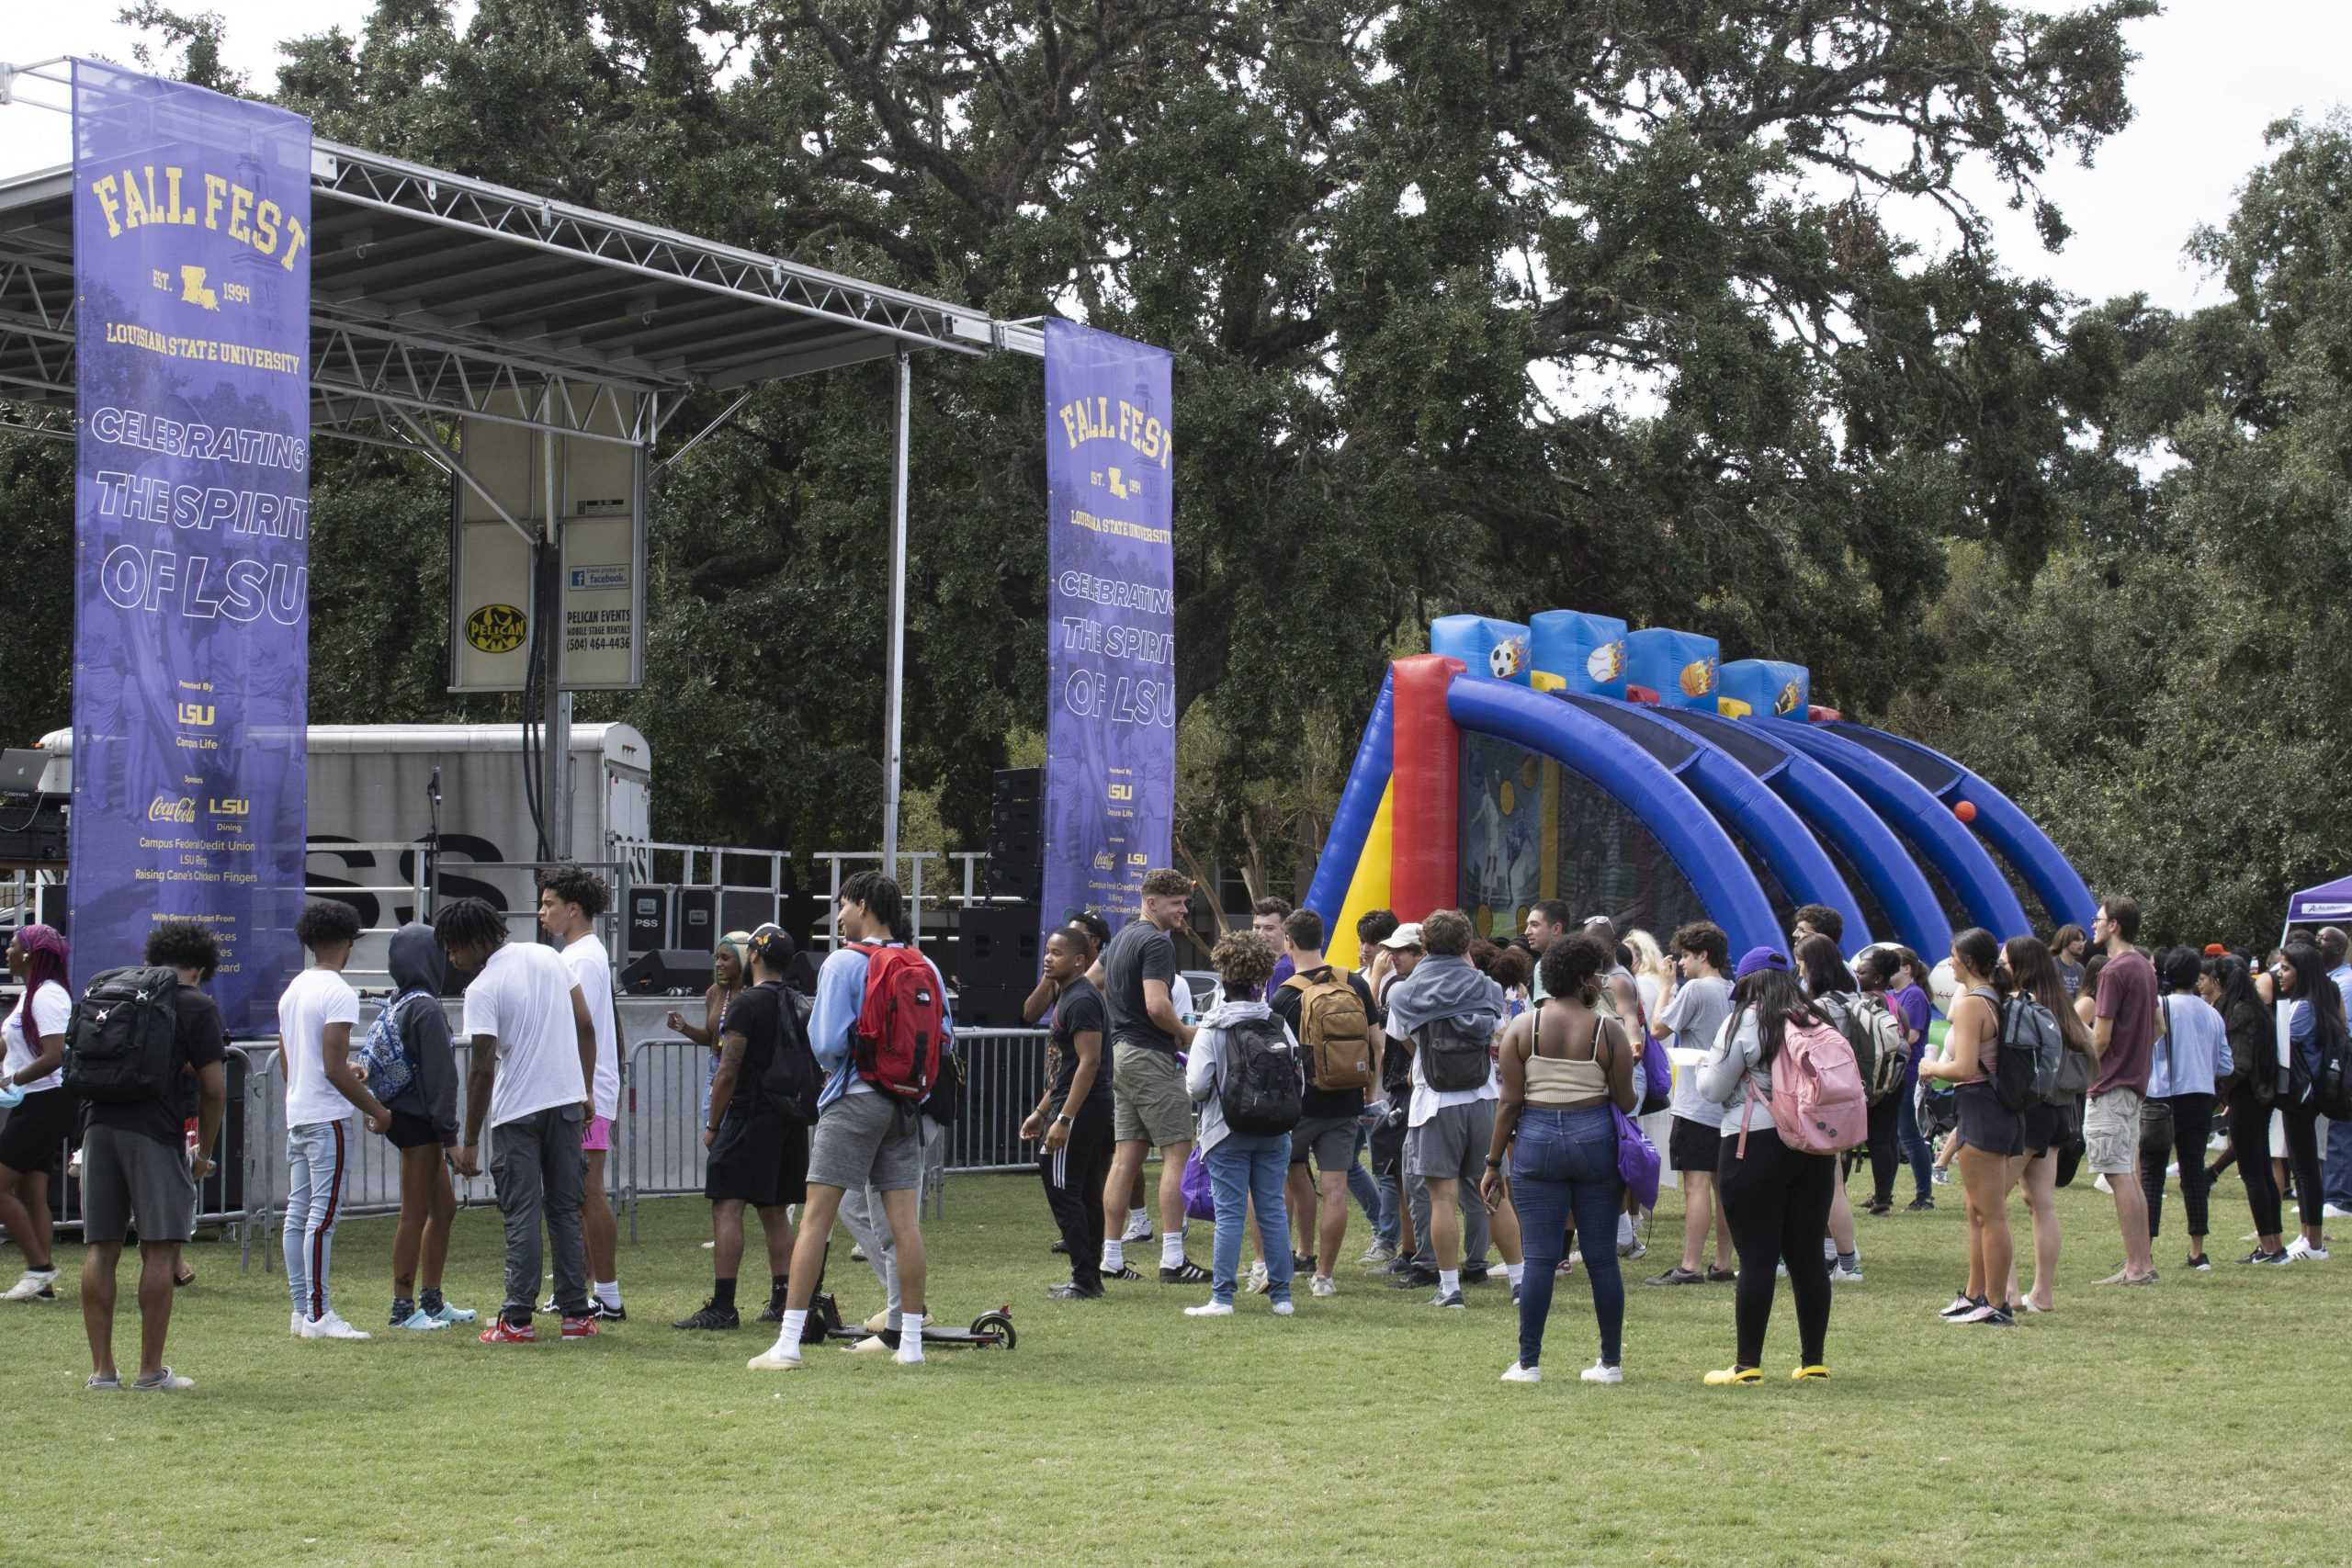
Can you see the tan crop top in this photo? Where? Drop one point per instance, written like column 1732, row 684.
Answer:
column 1557, row 1082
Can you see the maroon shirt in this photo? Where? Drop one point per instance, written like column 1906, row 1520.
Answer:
column 2126, row 993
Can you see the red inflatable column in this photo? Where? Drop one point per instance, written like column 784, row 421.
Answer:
column 1425, row 811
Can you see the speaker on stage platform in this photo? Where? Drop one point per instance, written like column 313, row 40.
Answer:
column 1017, row 834
column 677, row 971
column 995, row 947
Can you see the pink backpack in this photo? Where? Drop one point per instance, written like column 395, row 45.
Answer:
column 1818, row 1105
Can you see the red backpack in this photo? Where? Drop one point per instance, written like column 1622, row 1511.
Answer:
column 900, row 1026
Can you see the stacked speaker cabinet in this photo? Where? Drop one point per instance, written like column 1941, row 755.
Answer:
column 1017, row 834
column 996, row 964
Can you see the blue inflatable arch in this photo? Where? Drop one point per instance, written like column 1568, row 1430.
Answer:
column 1840, row 818
column 2022, row 842
column 1701, row 848
column 1907, row 806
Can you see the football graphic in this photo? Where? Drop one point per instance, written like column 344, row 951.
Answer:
column 1786, row 703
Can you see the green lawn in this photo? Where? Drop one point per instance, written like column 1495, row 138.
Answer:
column 2199, row 1421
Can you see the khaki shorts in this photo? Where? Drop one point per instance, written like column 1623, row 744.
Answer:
column 2111, row 1133
column 1149, row 1104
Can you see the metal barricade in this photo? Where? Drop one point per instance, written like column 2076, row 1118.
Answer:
column 1004, row 1077
column 663, row 1088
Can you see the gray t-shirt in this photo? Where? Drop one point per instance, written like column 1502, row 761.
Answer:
column 1141, row 952
column 1694, row 1017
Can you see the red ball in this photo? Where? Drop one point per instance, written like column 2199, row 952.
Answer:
column 1965, row 811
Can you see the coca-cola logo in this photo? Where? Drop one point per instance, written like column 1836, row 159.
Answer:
column 171, row 808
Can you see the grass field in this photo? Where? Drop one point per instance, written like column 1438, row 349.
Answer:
column 2201, row 1421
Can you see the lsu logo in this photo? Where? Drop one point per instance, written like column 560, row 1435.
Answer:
column 1123, row 792
column 496, row 628
column 231, row 808
column 171, row 808
column 197, row 715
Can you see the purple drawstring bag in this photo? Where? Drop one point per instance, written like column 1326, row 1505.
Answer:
column 1199, row 1195
column 1637, row 1161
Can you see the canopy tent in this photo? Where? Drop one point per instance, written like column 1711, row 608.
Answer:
column 436, row 297
column 2330, row 903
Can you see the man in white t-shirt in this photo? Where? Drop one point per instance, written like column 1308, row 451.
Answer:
column 315, row 1016
column 570, row 901
column 534, row 1058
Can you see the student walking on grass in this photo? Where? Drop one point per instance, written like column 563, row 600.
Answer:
column 1331, row 1014
column 1072, row 1123
column 410, row 1042
column 2192, row 1058
column 314, row 1023
column 1243, row 1072
column 1992, row 1136
column 137, row 1165
column 40, row 1113
column 1563, row 1065
column 1777, row 1197
column 879, row 1030
column 534, row 1058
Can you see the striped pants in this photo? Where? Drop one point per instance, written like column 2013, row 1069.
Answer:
column 317, row 1157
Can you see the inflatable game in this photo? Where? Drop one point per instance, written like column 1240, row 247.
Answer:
column 1636, row 774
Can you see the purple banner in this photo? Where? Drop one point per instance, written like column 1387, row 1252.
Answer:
column 1111, row 626
column 191, row 632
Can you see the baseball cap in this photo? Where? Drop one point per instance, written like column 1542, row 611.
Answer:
column 1756, row 958
column 1406, row 935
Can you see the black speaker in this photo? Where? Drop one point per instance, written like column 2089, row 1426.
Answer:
column 995, row 947
column 991, row 1006
column 649, row 918
column 1016, row 784
column 1017, row 834
column 698, row 917
column 677, row 971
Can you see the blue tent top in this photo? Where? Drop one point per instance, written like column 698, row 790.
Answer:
column 2328, row 901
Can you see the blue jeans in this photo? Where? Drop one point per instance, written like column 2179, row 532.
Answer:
column 1563, row 1161
column 1363, row 1189
column 2336, row 1181
column 1907, row 1136
column 1242, row 1168
column 316, row 1154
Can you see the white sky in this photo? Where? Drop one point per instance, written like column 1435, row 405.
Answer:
column 2211, row 74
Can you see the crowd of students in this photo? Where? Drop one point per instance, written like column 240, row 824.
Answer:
column 1492, row 1086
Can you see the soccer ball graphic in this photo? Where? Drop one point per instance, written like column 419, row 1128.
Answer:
column 1506, row 658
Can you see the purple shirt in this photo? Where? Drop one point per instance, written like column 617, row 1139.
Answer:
column 1911, row 1007
column 1284, row 970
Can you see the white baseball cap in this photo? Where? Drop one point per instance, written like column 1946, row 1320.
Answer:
column 1406, row 935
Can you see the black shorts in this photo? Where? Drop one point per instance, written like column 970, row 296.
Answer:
column 36, row 1133
column 760, row 1159
column 1693, row 1145
column 2045, row 1129
column 411, row 1131
column 1986, row 1124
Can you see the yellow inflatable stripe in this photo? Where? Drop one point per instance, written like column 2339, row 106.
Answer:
column 1732, row 707
column 1367, row 890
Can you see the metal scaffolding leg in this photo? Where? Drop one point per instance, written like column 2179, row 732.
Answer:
column 894, row 699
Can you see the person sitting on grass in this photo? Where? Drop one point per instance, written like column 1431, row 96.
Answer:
column 1243, row 1167
column 135, row 1161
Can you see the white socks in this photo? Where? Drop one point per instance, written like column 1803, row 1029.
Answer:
column 1448, row 1282
column 910, row 1339
column 1114, row 1256
column 1512, row 1271
column 1172, row 1249
column 1138, row 1219
column 609, row 1292
column 787, row 1337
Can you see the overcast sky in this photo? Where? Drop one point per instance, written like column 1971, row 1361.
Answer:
column 2212, row 73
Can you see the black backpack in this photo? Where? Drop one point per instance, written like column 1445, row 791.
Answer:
column 120, row 1046
column 1453, row 1058
column 1263, row 1089
column 2034, row 1048
column 791, row 1078
column 2331, row 1085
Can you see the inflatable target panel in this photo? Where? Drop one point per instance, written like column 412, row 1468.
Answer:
column 1579, row 653
column 1684, row 669
column 1770, row 687
column 1498, row 649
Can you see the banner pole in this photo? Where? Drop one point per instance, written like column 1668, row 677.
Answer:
column 894, row 700
column 555, row 797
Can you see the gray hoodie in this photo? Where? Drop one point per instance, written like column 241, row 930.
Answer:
column 1204, row 1065
column 418, row 963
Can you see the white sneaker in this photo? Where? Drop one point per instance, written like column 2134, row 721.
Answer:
column 2303, row 1251
column 2104, row 1185
column 1283, row 1309
column 777, row 1358
column 1841, row 1275
column 910, row 1353
column 1322, row 1285
column 294, row 1324
column 1602, row 1372
column 331, row 1326
column 1138, row 1230
column 1210, row 1309
column 38, row 1285
column 870, row 1345
column 1517, row 1373
column 857, row 1254
column 1256, row 1284
column 2331, row 1212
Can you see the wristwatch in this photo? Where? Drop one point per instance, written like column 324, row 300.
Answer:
column 1065, row 1117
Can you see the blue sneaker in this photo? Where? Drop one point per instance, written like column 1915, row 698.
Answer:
column 449, row 1314
column 421, row 1320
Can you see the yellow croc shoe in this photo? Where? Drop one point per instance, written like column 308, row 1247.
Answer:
column 1810, row 1375
column 1730, row 1375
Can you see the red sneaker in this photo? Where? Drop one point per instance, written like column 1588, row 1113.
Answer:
column 504, row 1332
column 580, row 1329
